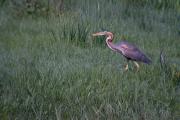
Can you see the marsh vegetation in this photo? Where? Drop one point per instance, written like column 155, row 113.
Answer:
column 52, row 68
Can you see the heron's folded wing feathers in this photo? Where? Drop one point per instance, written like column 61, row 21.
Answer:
column 132, row 52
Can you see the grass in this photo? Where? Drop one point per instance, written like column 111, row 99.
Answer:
column 52, row 68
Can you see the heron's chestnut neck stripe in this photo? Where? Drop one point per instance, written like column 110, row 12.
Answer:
column 109, row 42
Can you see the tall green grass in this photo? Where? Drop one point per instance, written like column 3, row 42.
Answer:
column 52, row 68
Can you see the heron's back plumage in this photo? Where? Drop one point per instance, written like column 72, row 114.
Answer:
column 130, row 51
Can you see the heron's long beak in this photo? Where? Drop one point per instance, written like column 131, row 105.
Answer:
column 98, row 34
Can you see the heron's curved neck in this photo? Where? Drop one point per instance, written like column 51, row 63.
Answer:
column 109, row 40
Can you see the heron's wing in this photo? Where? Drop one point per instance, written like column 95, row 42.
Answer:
column 132, row 52
column 126, row 44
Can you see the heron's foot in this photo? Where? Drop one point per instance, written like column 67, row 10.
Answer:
column 126, row 67
column 137, row 65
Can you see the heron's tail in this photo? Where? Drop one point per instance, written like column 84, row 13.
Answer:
column 146, row 60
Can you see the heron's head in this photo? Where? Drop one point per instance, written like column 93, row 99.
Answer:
column 99, row 33
column 102, row 33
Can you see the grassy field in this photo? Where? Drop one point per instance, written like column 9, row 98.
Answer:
column 52, row 68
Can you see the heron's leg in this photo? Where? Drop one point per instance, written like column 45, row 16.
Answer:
column 126, row 65
column 137, row 65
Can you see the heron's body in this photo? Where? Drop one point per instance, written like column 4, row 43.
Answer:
column 128, row 50
column 131, row 52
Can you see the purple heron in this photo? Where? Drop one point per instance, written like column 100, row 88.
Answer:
column 128, row 50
